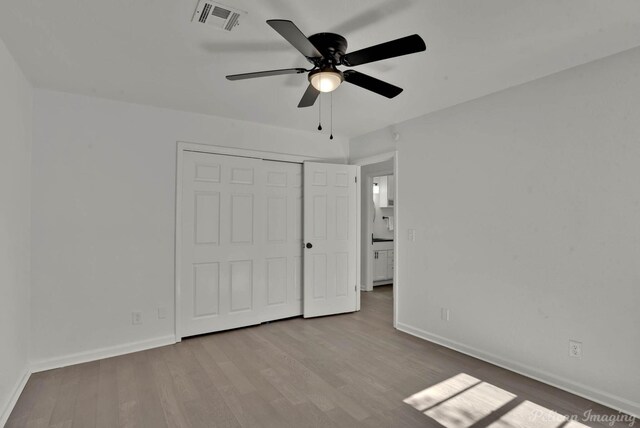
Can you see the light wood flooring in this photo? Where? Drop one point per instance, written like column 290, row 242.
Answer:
column 351, row 370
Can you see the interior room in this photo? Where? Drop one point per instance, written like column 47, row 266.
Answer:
column 348, row 213
column 377, row 224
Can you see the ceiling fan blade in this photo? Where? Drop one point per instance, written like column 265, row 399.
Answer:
column 293, row 35
column 371, row 83
column 403, row 46
column 266, row 73
column 309, row 97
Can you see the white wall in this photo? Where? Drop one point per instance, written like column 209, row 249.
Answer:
column 380, row 227
column 372, row 144
column 104, row 212
column 527, row 208
column 15, row 158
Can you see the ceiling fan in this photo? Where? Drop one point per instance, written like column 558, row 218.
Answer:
column 326, row 51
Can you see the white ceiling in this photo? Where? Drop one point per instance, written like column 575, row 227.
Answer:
column 148, row 52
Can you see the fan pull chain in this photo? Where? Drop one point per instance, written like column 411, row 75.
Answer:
column 320, row 112
column 331, row 136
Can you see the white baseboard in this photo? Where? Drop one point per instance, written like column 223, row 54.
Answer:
column 17, row 390
column 98, row 354
column 598, row 396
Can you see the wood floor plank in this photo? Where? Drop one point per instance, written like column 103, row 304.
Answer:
column 174, row 411
column 107, row 400
column 84, row 413
column 62, row 414
column 148, row 395
column 304, row 415
column 128, row 412
column 209, row 408
column 42, row 409
column 351, row 370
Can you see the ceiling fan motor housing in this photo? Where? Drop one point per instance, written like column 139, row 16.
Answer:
column 331, row 46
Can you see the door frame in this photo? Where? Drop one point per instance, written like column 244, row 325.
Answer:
column 396, row 217
column 181, row 148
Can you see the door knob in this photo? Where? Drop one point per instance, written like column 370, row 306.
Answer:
column 309, row 245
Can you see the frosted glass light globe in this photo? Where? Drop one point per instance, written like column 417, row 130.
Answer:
column 326, row 81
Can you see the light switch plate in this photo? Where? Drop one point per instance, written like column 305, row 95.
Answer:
column 136, row 318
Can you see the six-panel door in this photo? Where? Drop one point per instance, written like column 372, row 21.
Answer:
column 330, row 222
column 241, row 242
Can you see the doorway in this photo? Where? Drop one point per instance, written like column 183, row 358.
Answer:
column 378, row 221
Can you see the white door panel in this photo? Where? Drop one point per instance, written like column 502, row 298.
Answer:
column 283, row 238
column 330, row 235
column 241, row 250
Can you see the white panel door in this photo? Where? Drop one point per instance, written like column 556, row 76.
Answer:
column 238, row 257
column 283, row 239
column 330, row 210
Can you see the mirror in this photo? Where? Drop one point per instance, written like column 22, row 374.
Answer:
column 383, row 191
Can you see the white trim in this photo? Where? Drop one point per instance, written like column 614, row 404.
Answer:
column 396, row 234
column 368, row 279
column 98, row 354
column 177, row 310
column 17, row 390
column 182, row 147
column 358, row 235
column 584, row 391
column 234, row 151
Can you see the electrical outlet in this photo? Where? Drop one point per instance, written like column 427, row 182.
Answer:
column 136, row 318
column 445, row 314
column 412, row 235
column 575, row 349
column 162, row 313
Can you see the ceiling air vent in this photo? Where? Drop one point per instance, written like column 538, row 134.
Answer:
column 217, row 15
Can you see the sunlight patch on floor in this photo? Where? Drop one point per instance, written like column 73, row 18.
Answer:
column 532, row 415
column 463, row 400
column 468, row 407
column 431, row 396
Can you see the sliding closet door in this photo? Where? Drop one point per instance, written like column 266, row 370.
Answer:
column 239, row 262
column 283, row 239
